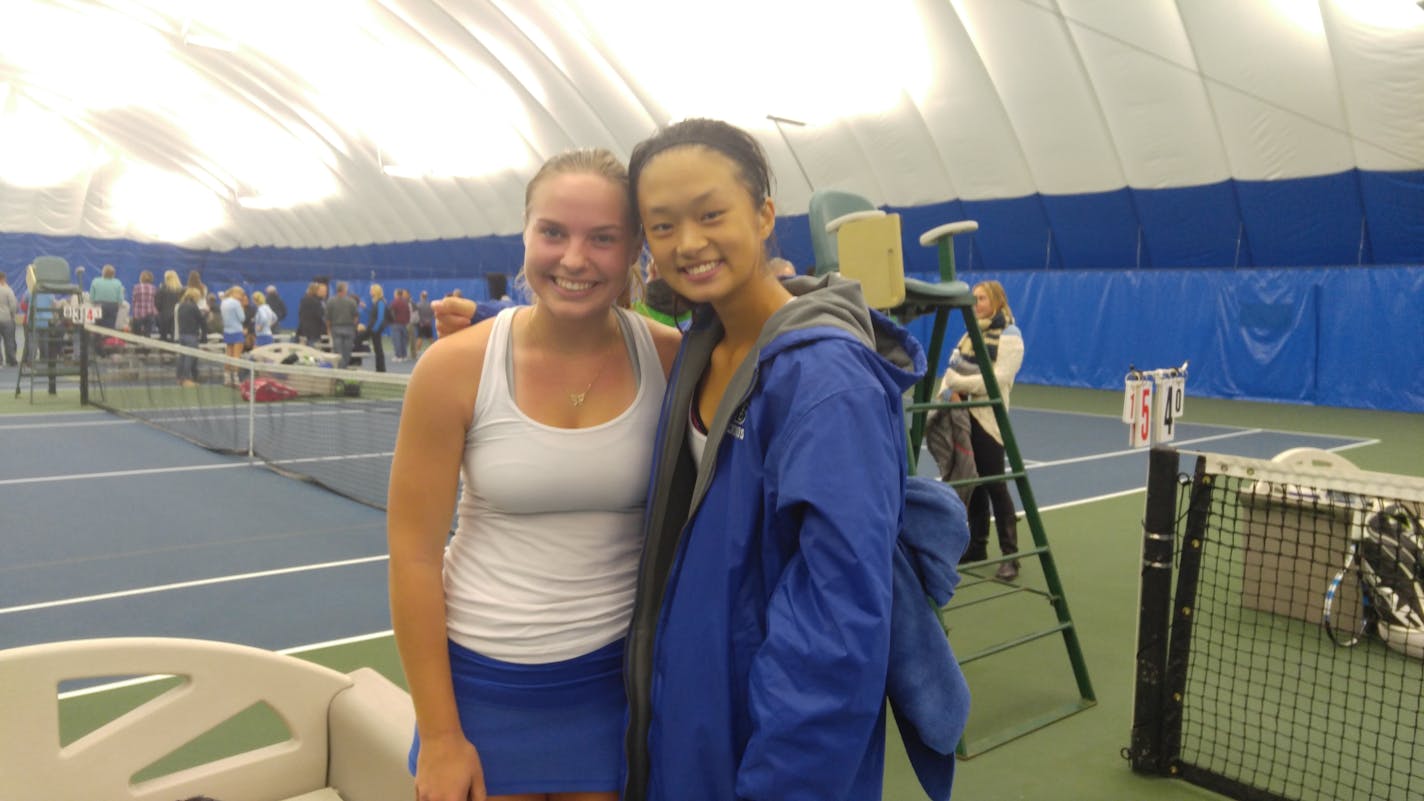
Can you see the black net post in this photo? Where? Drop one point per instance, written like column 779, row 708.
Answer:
column 1185, row 609
column 1154, row 612
column 85, row 353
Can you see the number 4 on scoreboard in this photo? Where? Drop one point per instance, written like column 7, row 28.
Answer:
column 1170, row 404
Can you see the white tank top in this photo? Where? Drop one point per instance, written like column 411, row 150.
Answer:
column 545, row 555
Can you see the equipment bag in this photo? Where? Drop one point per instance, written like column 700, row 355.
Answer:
column 1387, row 555
column 268, row 390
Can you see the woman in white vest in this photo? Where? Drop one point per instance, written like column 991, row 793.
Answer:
column 512, row 637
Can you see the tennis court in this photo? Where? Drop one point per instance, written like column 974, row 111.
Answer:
column 117, row 528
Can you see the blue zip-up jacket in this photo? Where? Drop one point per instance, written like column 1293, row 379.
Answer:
column 376, row 318
column 759, row 647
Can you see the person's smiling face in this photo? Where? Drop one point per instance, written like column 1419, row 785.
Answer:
column 578, row 243
column 704, row 230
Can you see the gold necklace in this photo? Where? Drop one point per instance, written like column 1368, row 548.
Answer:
column 577, row 398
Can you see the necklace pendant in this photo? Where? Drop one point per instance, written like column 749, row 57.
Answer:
column 576, row 398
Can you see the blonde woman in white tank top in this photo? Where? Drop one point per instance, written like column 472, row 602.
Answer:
column 547, row 413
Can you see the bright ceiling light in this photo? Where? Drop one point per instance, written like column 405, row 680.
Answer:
column 195, row 36
column 1386, row 15
column 865, row 60
column 39, row 148
column 125, row 63
column 164, row 206
column 1303, row 14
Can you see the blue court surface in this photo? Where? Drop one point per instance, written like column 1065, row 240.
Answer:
column 113, row 528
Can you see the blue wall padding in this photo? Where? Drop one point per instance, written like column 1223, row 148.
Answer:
column 1303, row 221
column 1187, row 227
column 1099, row 229
column 1010, row 232
column 1371, row 352
column 1332, row 336
column 1394, row 207
column 1264, row 336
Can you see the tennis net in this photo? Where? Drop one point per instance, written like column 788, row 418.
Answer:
column 1271, row 661
column 334, row 427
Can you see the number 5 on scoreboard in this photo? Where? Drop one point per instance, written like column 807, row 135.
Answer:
column 1141, row 431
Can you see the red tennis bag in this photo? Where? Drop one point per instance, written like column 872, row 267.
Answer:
column 268, row 390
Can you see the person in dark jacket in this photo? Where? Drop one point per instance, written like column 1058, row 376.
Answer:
column 192, row 329
column 278, row 306
column 170, row 294
column 311, row 315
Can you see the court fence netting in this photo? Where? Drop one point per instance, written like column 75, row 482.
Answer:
column 1278, row 657
column 334, row 427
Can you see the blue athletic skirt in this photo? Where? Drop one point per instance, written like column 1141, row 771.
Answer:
column 234, row 338
column 549, row 728
column 263, row 339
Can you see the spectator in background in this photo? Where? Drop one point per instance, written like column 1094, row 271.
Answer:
column 963, row 381
column 211, row 312
column 9, row 316
column 108, row 292
column 195, row 281
column 263, row 320
column 143, row 308
column 192, row 328
column 456, row 293
column 278, row 306
column 425, row 323
column 376, row 321
column 249, row 324
column 234, row 319
column 166, row 300
column 342, row 314
column 400, row 324
column 311, row 316
column 781, row 268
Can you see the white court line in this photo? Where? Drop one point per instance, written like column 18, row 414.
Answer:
column 296, row 649
column 38, row 426
column 1094, row 499
column 1296, row 432
column 1352, row 445
column 205, row 415
column 148, row 471
column 1134, row 490
column 183, row 585
column 1113, row 454
column 335, row 458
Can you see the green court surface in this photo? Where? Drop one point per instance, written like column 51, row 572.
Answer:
column 1097, row 547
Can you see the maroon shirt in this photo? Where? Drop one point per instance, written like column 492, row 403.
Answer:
column 400, row 311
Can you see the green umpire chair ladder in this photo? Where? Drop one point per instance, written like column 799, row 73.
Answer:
column 849, row 235
column 45, row 357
